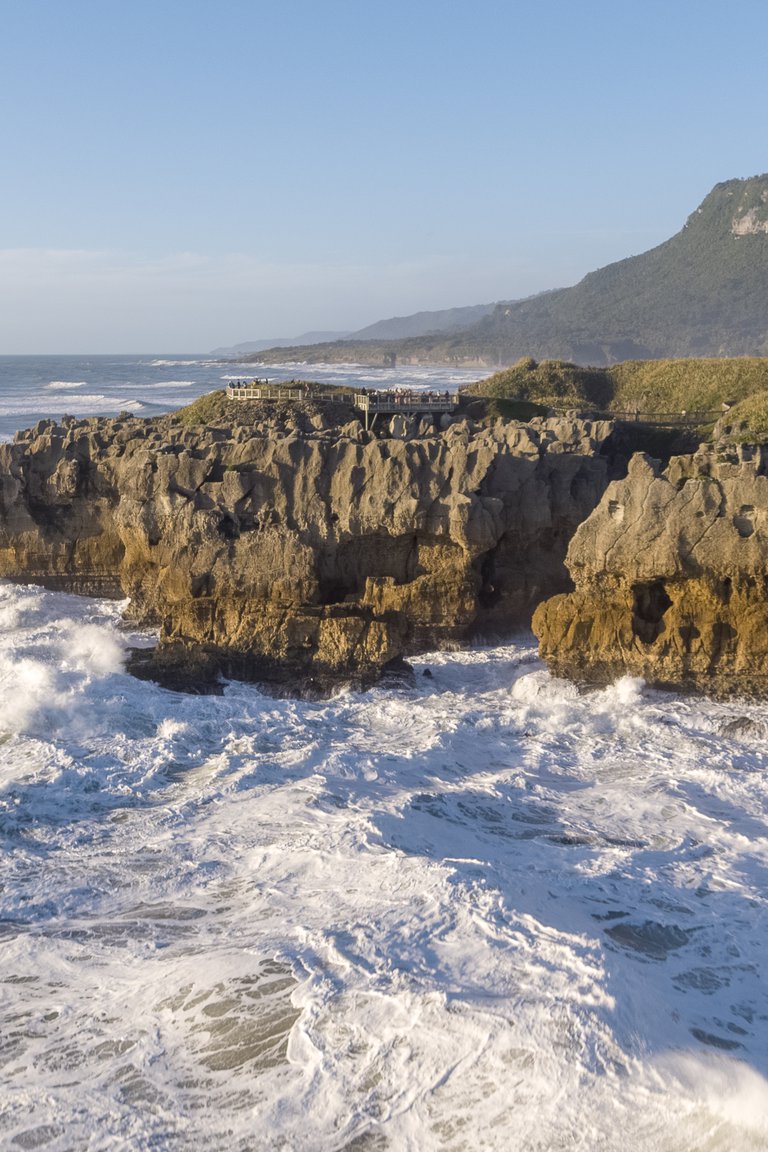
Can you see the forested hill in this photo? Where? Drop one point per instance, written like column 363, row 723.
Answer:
column 424, row 323
column 701, row 293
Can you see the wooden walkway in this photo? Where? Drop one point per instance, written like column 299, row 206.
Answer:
column 667, row 419
column 376, row 402
column 370, row 402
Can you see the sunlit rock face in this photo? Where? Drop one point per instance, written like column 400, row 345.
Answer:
column 300, row 549
column 670, row 574
column 751, row 216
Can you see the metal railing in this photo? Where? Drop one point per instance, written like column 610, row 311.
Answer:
column 255, row 391
column 376, row 401
column 371, row 403
column 668, row 419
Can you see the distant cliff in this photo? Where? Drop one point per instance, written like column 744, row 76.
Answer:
column 395, row 328
column 701, row 293
column 250, row 346
column 283, row 543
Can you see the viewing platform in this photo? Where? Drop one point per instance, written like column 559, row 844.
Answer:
column 371, row 402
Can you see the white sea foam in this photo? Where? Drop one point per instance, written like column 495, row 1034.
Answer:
column 103, row 386
column 485, row 912
column 46, row 660
column 176, row 363
column 74, row 404
column 88, row 398
column 416, row 377
column 157, row 384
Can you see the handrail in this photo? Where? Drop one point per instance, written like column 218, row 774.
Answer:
column 392, row 402
column 383, row 401
column 260, row 392
column 694, row 416
column 373, row 401
column 700, row 415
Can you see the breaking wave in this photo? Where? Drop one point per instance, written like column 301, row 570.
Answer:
column 160, row 385
column 34, row 389
column 175, row 363
column 483, row 912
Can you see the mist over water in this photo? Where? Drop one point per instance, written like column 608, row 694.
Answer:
column 480, row 913
column 485, row 912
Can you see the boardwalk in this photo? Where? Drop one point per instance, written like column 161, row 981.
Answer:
column 370, row 402
column 694, row 419
column 374, row 402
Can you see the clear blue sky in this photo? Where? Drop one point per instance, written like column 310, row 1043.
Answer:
column 180, row 174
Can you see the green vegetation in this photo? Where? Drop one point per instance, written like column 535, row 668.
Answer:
column 686, row 385
column 701, row 293
column 217, row 408
column 497, row 407
column 747, row 421
column 552, row 383
column 636, row 387
column 371, row 352
column 208, row 409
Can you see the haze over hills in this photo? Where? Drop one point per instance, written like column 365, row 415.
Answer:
column 396, row 328
column 279, row 342
column 424, row 323
column 701, row 293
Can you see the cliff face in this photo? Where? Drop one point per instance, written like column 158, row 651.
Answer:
column 289, row 548
column 670, row 574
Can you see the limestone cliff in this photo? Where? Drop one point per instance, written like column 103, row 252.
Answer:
column 670, row 573
column 285, row 544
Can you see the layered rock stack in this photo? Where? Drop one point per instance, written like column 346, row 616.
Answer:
column 671, row 578
column 296, row 548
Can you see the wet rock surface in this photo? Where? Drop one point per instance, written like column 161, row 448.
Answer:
column 289, row 545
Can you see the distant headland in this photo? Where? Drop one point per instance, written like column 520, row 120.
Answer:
column 700, row 293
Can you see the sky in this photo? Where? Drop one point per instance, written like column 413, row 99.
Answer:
column 179, row 175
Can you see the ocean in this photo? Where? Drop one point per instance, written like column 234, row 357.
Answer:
column 37, row 387
column 482, row 912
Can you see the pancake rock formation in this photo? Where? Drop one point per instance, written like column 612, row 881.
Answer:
column 290, row 547
column 671, row 578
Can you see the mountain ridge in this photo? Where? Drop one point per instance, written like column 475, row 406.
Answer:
column 424, row 323
column 700, row 293
column 247, row 346
column 394, row 328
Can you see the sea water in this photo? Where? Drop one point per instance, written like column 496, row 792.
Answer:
column 483, row 911
column 40, row 387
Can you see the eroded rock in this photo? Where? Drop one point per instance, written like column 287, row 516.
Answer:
column 299, row 548
column 671, row 576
